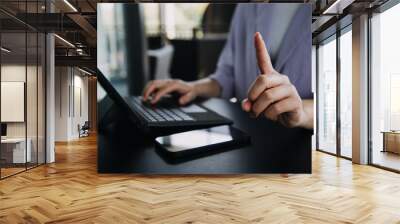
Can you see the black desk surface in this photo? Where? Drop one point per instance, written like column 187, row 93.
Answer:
column 123, row 148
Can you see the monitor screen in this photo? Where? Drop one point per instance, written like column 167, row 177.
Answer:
column 121, row 47
column 111, row 56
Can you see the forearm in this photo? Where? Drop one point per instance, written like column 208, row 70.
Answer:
column 207, row 88
column 308, row 120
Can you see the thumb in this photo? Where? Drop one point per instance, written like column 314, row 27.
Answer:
column 186, row 98
column 263, row 58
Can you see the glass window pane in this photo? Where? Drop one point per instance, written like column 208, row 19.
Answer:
column 346, row 94
column 13, row 86
column 32, row 90
column 152, row 18
column 23, row 91
column 385, row 84
column 31, row 97
column 327, row 97
column 179, row 19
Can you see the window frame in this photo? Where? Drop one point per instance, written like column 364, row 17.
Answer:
column 333, row 37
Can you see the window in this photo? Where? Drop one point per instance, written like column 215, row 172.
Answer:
column 385, row 89
column 334, row 106
column 22, row 76
column 327, row 96
column 177, row 20
column 152, row 18
column 346, row 94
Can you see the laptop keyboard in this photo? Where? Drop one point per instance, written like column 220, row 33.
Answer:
column 160, row 114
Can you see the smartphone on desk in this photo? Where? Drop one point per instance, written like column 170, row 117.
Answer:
column 202, row 142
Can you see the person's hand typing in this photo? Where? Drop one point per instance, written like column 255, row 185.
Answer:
column 271, row 94
column 159, row 88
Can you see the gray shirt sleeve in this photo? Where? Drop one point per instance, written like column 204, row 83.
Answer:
column 224, row 73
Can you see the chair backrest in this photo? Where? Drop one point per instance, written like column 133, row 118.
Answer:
column 215, row 24
column 217, row 18
column 86, row 125
column 161, row 62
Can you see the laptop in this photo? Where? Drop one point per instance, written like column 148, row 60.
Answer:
column 166, row 114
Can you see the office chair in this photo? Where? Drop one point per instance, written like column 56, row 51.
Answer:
column 197, row 57
column 217, row 18
column 160, row 56
column 215, row 25
column 84, row 129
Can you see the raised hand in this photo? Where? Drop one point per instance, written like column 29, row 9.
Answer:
column 271, row 94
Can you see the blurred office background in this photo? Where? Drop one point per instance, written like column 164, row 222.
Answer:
column 171, row 40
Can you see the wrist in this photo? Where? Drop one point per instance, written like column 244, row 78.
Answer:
column 307, row 115
column 303, row 119
column 205, row 88
column 194, row 86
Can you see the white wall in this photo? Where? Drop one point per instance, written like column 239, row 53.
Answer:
column 14, row 72
column 61, row 103
column 33, row 126
column 10, row 73
column 71, row 102
column 17, row 73
column 80, row 89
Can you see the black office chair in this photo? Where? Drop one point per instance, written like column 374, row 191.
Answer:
column 217, row 18
column 196, row 58
column 84, row 129
column 215, row 26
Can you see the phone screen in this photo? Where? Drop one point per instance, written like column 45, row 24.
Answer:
column 196, row 139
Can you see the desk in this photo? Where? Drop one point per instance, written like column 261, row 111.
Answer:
column 391, row 141
column 13, row 150
column 122, row 148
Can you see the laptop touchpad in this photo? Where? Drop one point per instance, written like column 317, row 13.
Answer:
column 193, row 109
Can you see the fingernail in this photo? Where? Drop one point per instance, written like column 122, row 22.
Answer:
column 259, row 34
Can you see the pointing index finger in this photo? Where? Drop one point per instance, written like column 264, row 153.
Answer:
column 263, row 58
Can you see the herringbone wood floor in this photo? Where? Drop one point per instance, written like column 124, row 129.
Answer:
column 71, row 191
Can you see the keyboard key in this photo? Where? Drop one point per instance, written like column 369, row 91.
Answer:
column 151, row 114
column 182, row 115
column 172, row 114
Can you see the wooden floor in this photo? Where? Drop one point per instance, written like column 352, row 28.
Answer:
column 71, row 191
column 5, row 172
column 387, row 159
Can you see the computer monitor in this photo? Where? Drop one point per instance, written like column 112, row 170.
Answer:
column 3, row 129
column 122, row 47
